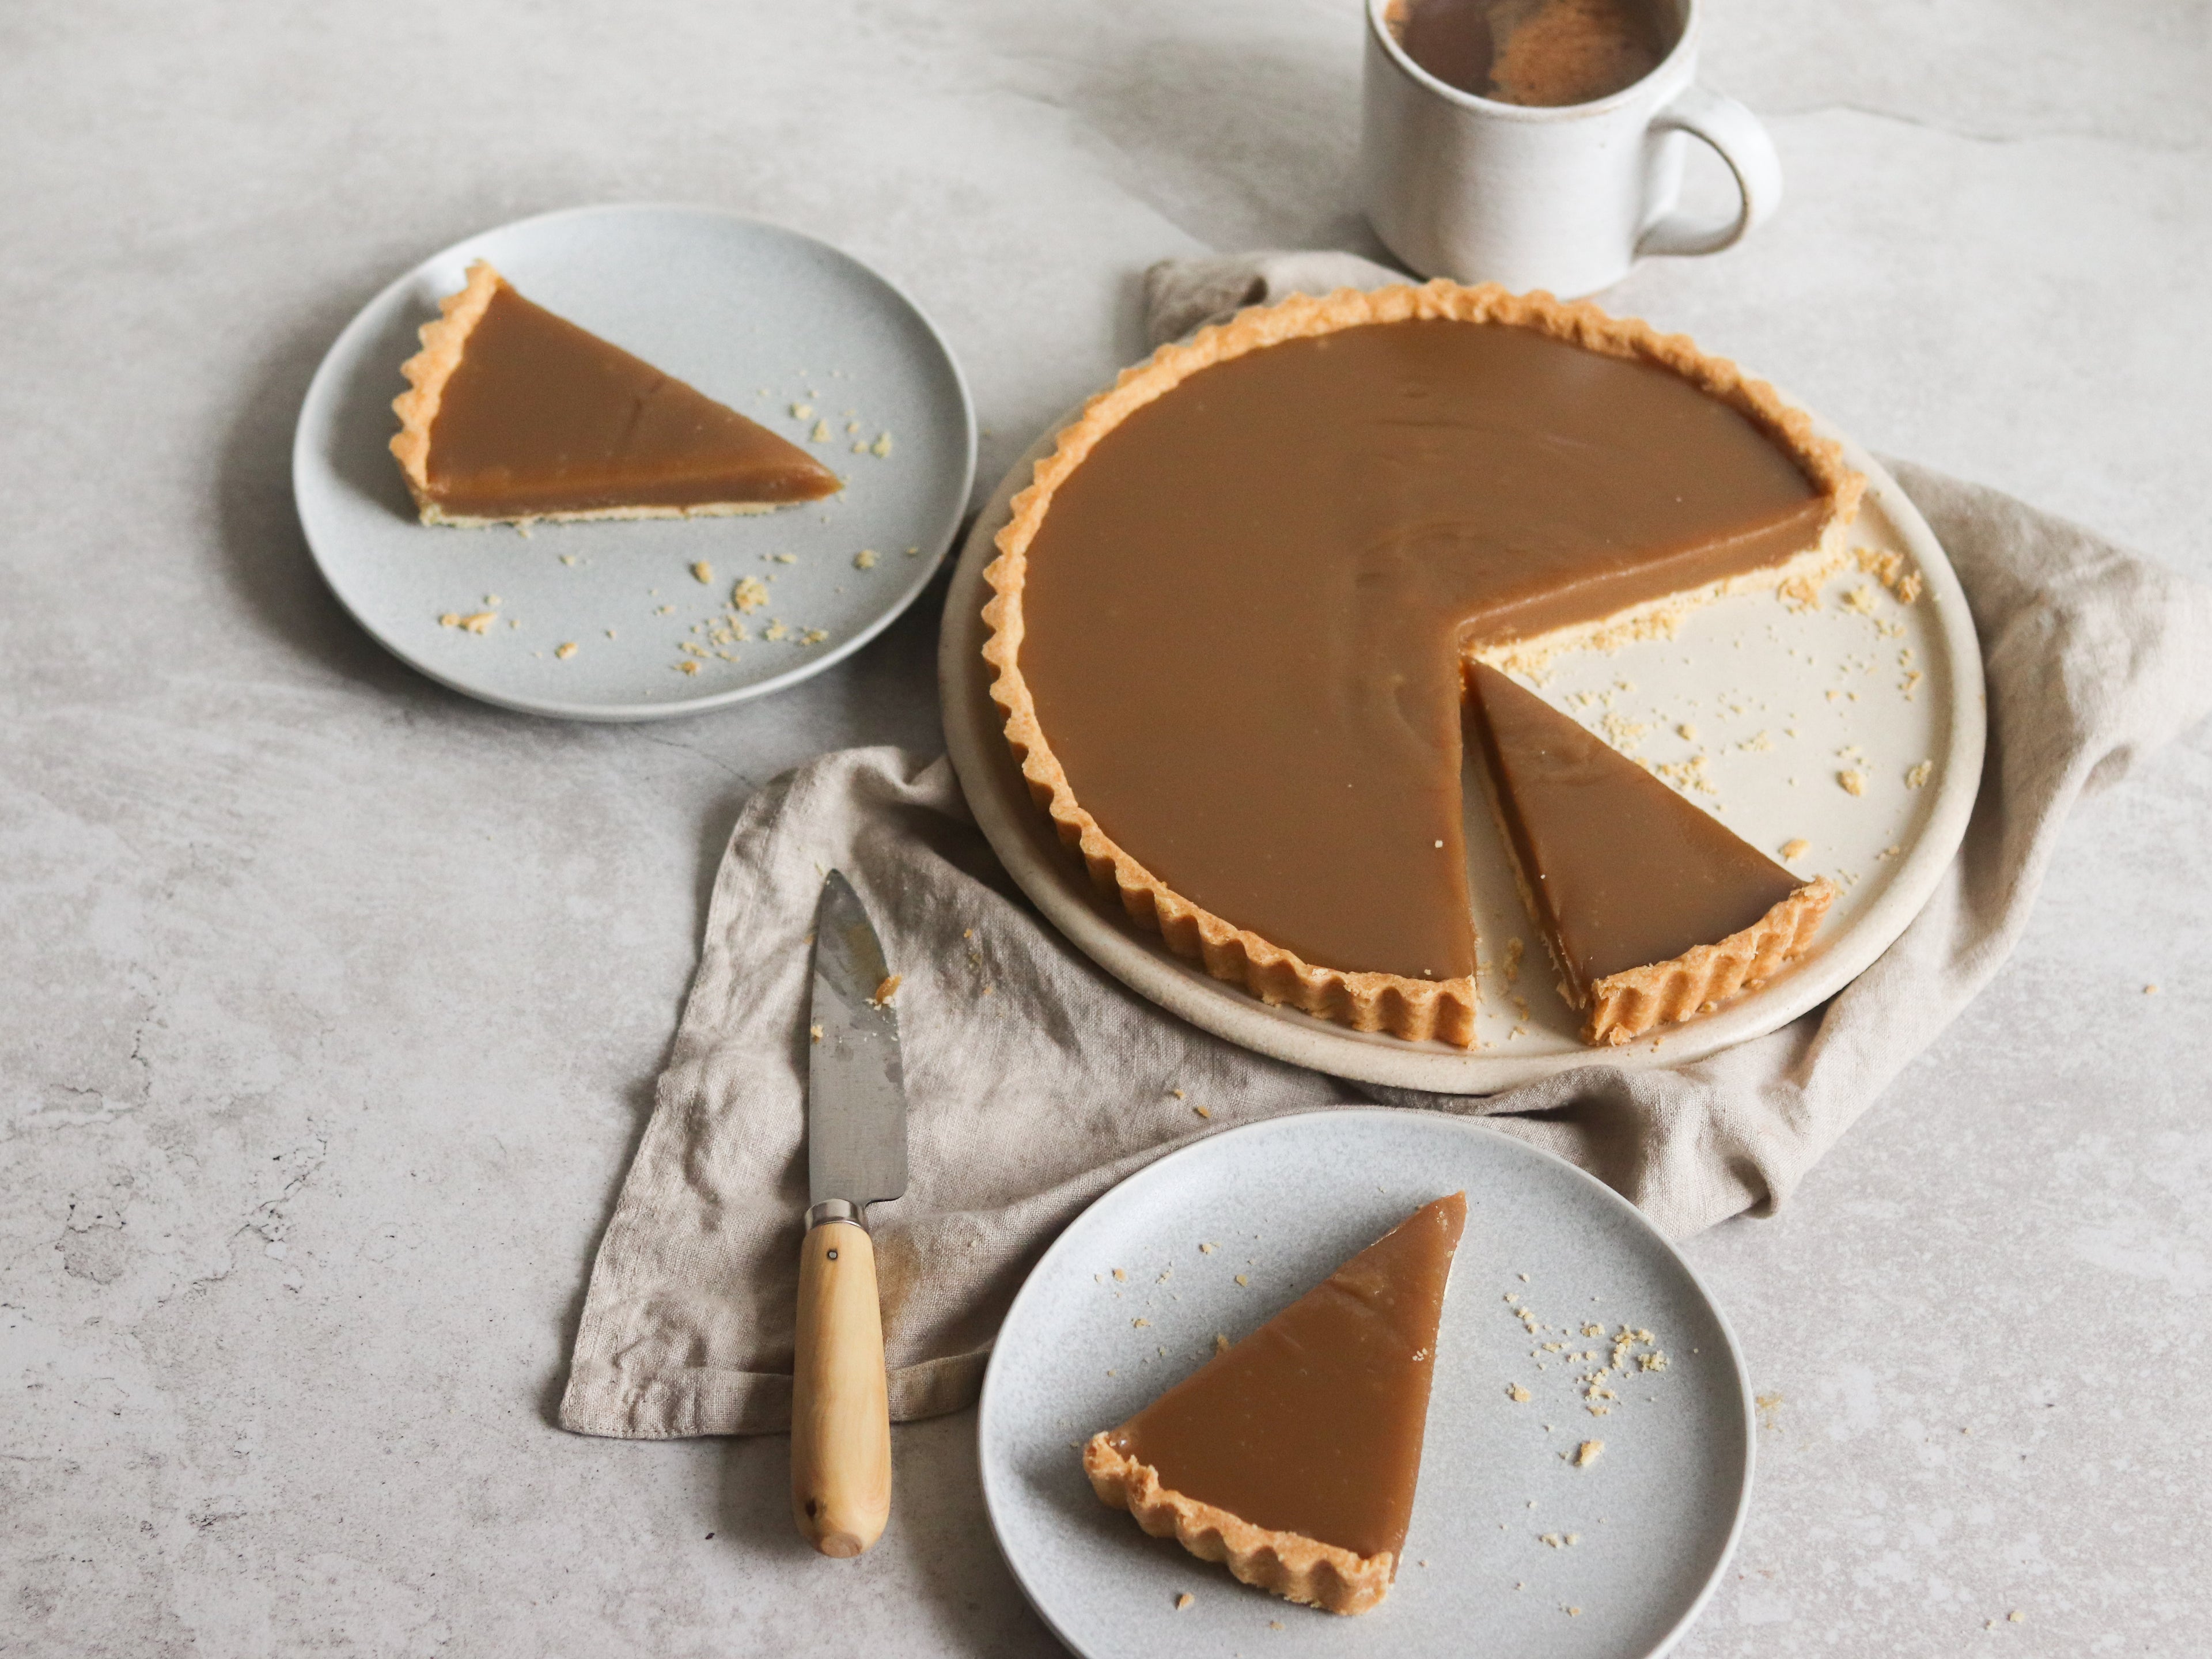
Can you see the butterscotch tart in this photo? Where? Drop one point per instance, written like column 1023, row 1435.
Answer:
column 1291, row 1456
column 515, row 414
column 1235, row 612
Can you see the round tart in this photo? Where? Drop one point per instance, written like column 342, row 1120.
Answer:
column 1235, row 610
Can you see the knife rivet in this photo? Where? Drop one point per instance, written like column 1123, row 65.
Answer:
column 833, row 1255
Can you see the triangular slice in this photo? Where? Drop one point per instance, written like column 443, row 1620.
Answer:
column 1653, row 910
column 1291, row 1456
column 516, row 414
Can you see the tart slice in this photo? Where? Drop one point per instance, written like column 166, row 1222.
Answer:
column 1652, row 910
column 515, row 414
column 1291, row 1456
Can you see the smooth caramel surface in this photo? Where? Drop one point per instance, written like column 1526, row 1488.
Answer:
column 1245, row 610
column 543, row 417
column 1623, row 870
column 1312, row 1424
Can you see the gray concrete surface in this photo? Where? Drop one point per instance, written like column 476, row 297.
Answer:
column 330, row 1002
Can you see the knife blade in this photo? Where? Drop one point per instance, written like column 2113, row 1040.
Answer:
column 855, row 1085
column 840, row 1453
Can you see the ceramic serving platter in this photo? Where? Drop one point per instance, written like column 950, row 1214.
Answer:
column 1516, row 1548
column 596, row 621
column 1854, row 725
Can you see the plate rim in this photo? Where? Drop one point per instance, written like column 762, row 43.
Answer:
column 324, row 385
column 1447, row 1122
column 981, row 761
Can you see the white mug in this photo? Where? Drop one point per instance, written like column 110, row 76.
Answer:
column 1564, row 198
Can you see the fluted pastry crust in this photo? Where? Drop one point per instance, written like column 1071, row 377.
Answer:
column 1627, row 1004
column 1288, row 1564
column 1411, row 1008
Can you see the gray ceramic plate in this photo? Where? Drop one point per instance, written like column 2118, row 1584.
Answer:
column 1654, row 1518
column 762, row 318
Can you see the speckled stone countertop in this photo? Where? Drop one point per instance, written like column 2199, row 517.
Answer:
column 331, row 1002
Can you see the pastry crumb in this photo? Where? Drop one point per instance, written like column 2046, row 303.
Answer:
column 687, row 666
column 1796, row 849
column 820, row 435
column 1120, row 1273
column 565, row 650
column 1908, row 588
column 2150, row 990
column 882, row 446
column 1138, row 1324
column 1207, row 1250
column 1184, row 1600
column 749, row 595
column 1243, row 1280
column 702, row 572
column 1861, row 599
column 865, row 559
column 1854, row 782
column 1202, row 1111
column 802, row 411
column 1919, row 774
column 1220, row 1344
column 815, row 1030
column 1587, row 1453
column 887, row 990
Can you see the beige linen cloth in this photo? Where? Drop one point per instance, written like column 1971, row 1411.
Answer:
column 1036, row 1082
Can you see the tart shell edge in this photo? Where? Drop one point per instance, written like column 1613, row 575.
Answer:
column 1288, row 1564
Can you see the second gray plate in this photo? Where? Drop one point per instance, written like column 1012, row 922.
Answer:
column 597, row 621
column 1515, row 1550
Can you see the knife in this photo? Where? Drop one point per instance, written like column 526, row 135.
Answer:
column 840, row 1431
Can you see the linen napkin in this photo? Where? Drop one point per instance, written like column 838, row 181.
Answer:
column 1035, row 1081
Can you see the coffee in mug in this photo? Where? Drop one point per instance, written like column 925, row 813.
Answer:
column 1540, row 52
column 1539, row 143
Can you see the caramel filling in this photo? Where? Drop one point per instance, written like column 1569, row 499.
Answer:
column 541, row 417
column 1622, row 872
column 1312, row 1424
column 1246, row 609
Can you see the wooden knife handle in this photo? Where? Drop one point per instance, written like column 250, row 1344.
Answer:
column 841, row 1425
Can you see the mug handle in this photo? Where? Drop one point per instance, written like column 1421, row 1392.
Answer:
column 1738, row 139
